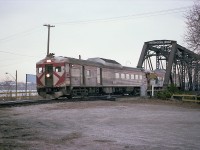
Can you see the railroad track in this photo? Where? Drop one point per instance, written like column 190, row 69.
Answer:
column 18, row 103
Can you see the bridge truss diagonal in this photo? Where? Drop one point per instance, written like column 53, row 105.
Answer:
column 182, row 66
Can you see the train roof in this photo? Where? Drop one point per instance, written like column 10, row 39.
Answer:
column 97, row 61
column 110, row 61
column 105, row 62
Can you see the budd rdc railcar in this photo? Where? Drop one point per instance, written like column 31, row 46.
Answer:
column 59, row 76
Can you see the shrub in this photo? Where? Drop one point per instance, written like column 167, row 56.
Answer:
column 164, row 95
column 167, row 93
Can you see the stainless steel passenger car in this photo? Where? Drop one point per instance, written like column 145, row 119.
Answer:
column 59, row 76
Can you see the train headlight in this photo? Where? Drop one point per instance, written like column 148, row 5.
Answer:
column 48, row 60
column 47, row 75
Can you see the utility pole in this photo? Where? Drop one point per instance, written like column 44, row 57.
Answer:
column 15, row 79
column 16, row 84
column 49, row 26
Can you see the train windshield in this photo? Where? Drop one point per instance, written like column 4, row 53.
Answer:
column 58, row 69
column 49, row 75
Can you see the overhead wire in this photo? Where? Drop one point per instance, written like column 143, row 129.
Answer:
column 26, row 32
column 147, row 14
column 16, row 54
column 16, row 62
column 133, row 16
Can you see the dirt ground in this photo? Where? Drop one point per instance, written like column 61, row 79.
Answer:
column 131, row 124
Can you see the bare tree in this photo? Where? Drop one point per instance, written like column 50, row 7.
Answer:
column 192, row 36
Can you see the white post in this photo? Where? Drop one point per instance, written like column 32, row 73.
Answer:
column 152, row 90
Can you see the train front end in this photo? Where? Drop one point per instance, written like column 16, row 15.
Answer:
column 51, row 81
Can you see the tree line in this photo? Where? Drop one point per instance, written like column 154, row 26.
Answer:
column 192, row 35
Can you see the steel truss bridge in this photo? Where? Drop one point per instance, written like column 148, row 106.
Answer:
column 182, row 66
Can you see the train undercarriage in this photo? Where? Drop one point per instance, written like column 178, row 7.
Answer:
column 70, row 92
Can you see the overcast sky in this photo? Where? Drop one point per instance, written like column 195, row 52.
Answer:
column 112, row 29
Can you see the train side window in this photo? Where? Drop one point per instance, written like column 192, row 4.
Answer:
column 58, row 69
column 123, row 76
column 88, row 73
column 136, row 77
column 127, row 76
column 132, row 76
column 140, row 77
column 40, row 70
column 117, row 75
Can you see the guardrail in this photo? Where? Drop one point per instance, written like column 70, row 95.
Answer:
column 186, row 97
column 13, row 95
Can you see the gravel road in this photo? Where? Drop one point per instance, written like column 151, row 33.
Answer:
column 101, row 125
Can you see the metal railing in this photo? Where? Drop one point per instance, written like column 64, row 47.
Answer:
column 19, row 95
column 186, row 97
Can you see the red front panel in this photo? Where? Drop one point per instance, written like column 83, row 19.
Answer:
column 51, row 74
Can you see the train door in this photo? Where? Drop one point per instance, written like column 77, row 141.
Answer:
column 49, row 75
column 67, row 74
column 99, row 76
column 83, row 75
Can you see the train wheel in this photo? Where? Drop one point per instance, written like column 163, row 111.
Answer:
column 69, row 96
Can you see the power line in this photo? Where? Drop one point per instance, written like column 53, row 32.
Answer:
column 26, row 32
column 139, row 15
column 133, row 16
column 15, row 54
column 19, row 62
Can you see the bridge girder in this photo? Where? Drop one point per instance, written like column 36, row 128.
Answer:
column 182, row 66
